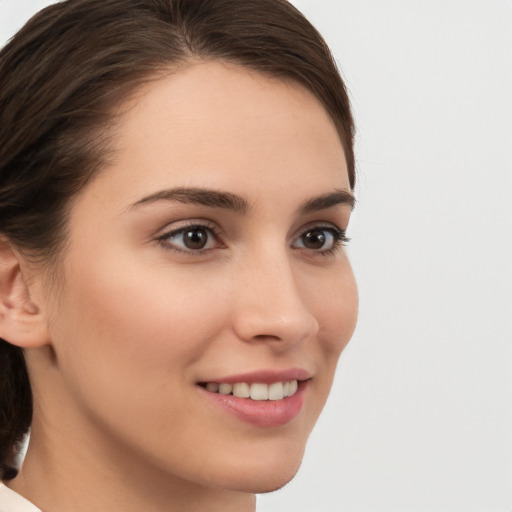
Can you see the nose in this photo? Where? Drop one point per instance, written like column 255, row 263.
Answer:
column 270, row 303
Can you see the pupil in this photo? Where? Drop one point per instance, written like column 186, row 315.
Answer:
column 195, row 238
column 314, row 239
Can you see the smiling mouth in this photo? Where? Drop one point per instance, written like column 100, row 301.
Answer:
column 257, row 391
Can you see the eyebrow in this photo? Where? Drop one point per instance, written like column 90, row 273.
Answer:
column 205, row 197
column 328, row 200
column 233, row 202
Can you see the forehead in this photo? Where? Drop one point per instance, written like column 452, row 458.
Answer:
column 219, row 125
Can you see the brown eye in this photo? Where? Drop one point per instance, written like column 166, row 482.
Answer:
column 314, row 239
column 195, row 239
column 321, row 239
column 190, row 239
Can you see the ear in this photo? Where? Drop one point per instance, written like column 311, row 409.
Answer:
column 21, row 320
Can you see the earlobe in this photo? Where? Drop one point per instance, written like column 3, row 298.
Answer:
column 22, row 322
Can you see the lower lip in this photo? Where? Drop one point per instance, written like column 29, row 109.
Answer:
column 261, row 413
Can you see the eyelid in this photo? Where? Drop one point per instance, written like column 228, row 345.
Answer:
column 179, row 225
column 339, row 234
column 327, row 225
column 182, row 226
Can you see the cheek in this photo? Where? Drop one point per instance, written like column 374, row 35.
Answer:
column 336, row 306
column 138, row 323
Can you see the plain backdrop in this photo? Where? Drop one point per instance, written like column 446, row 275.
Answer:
column 420, row 416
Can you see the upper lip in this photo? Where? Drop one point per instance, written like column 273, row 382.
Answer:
column 265, row 376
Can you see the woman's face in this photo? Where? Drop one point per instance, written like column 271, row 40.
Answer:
column 207, row 259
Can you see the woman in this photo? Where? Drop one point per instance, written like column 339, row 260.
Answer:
column 176, row 182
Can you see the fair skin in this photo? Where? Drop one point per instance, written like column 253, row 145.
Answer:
column 121, row 349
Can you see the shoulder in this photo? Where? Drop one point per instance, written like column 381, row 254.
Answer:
column 11, row 501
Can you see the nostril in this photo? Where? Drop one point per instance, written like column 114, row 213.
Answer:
column 263, row 337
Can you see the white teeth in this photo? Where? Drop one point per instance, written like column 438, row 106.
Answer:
column 255, row 391
column 225, row 389
column 259, row 391
column 241, row 390
column 275, row 391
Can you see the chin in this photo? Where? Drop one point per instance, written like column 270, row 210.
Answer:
column 264, row 476
column 272, row 484
column 262, row 484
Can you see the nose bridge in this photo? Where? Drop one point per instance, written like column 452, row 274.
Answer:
column 269, row 301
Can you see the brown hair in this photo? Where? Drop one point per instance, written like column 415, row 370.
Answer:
column 61, row 77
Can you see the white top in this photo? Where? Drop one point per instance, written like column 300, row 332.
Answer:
column 11, row 501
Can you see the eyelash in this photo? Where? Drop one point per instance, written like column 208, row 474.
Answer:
column 339, row 238
column 211, row 229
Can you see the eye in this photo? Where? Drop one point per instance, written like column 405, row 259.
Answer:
column 194, row 238
column 321, row 239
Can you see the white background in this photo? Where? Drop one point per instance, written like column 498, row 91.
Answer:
column 420, row 417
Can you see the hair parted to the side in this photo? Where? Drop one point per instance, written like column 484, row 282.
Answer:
column 62, row 77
